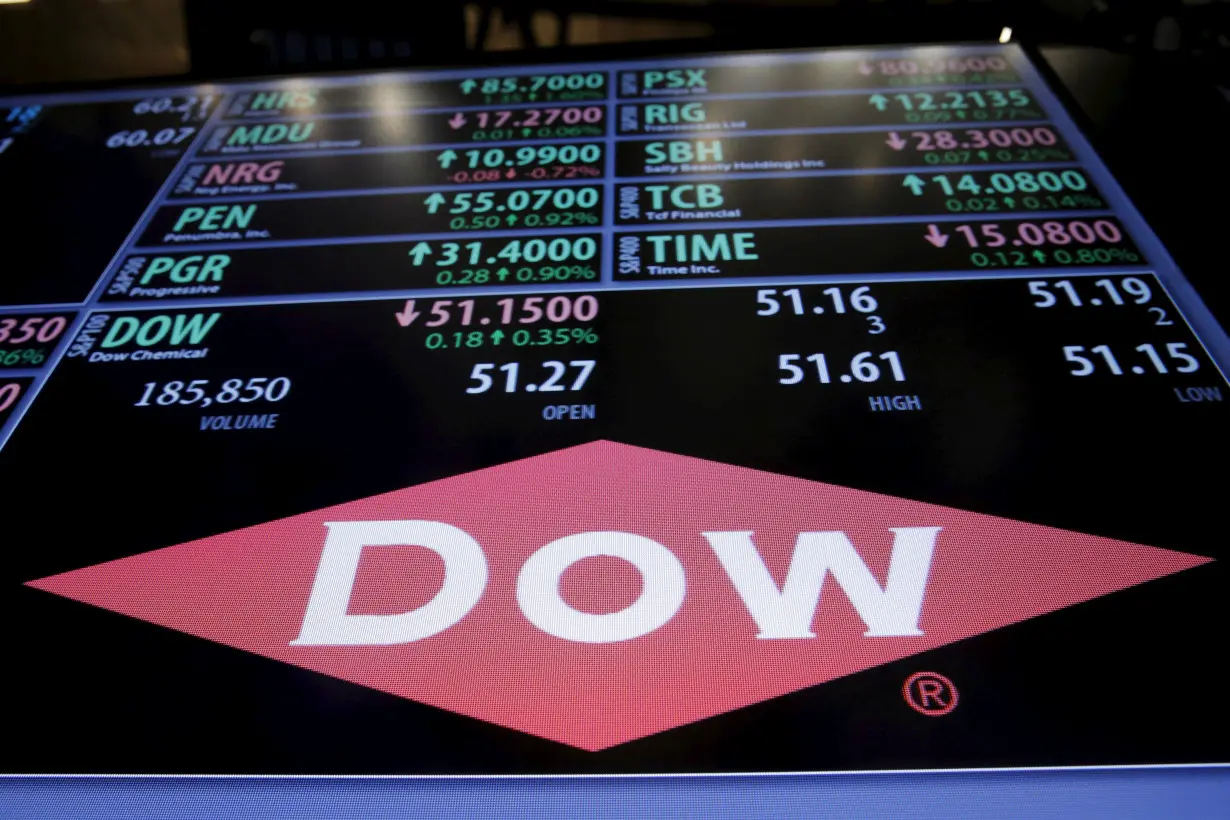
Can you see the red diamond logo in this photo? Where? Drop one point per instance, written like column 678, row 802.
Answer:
column 605, row 592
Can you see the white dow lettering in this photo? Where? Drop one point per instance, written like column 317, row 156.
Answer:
column 787, row 612
column 326, row 622
column 662, row 589
column 780, row 613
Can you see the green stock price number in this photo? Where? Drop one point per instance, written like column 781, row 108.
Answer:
column 578, row 86
column 546, row 259
column 1028, row 190
column 523, row 155
column 984, row 104
column 529, row 208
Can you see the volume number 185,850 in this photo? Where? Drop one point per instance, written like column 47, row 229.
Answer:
column 199, row 392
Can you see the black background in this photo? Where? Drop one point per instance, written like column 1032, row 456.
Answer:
column 1128, row 678
column 73, row 200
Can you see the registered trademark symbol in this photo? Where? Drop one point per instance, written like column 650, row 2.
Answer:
column 930, row 694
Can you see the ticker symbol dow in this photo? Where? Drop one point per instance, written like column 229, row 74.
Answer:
column 817, row 309
column 1137, row 369
column 845, row 378
column 484, row 321
column 530, row 388
column 1095, row 301
column 490, row 260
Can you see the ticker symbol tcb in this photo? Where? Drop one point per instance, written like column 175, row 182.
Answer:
column 685, row 197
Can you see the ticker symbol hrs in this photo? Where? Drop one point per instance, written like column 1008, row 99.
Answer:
column 282, row 100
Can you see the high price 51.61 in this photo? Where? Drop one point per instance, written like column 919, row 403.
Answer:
column 865, row 367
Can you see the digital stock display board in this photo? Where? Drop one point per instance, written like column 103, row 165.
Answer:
column 708, row 419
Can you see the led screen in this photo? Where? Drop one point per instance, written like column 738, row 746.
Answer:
column 811, row 412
